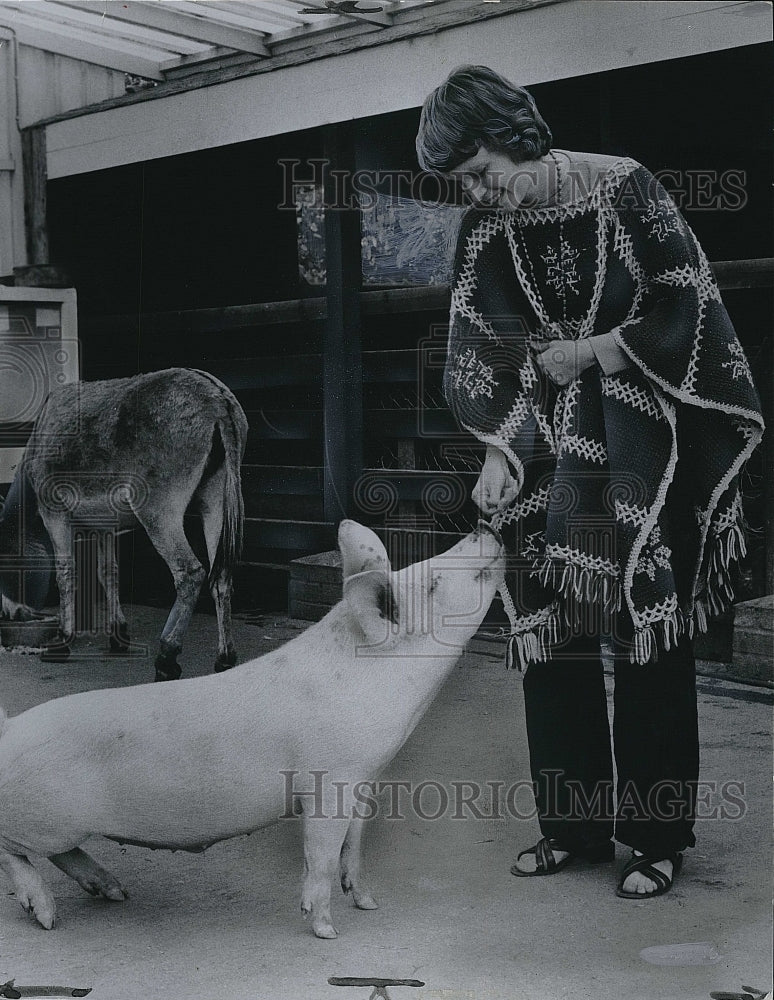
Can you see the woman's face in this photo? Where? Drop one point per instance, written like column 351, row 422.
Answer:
column 491, row 179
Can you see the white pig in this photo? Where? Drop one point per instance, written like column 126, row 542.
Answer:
column 184, row 765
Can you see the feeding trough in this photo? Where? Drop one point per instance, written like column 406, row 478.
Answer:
column 32, row 634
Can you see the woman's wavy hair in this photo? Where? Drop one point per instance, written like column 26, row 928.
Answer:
column 477, row 107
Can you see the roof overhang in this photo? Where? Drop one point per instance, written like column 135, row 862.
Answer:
column 363, row 70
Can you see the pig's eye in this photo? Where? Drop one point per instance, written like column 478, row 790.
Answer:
column 433, row 584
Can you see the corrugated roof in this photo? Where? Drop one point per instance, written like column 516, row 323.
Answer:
column 160, row 39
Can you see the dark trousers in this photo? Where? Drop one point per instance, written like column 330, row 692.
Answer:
column 655, row 743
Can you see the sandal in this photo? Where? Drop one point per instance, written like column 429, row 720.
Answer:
column 644, row 865
column 547, row 865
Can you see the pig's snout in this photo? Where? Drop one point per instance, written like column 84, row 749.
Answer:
column 486, row 526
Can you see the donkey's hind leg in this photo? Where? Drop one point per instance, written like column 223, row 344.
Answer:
column 107, row 570
column 164, row 525
column 90, row 876
column 29, row 888
column 210, row 499
column 60, row 532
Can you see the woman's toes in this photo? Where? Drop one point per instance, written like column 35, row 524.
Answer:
column 637, row 882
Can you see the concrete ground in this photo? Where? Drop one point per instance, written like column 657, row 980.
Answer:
column 226, row 923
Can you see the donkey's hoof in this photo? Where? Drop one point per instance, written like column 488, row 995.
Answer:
column 167, row 670
column 225, row 661
column 57, row 651
column 119, row 641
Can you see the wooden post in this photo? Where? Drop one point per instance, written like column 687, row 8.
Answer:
column 35, row 177
column 342, row 362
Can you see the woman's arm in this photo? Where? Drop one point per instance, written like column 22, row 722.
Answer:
column 610, row 357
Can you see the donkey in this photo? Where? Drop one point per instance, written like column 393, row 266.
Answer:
column 143, row 450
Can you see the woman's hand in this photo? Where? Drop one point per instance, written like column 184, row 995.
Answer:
column 563, row 360
column 496, row 487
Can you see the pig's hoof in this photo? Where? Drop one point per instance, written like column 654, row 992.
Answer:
column 107, row 888
column 40, row 905
column 364, row 900
column 324, row 929
column 57, row 651
column 167, row 670
column 225, row 661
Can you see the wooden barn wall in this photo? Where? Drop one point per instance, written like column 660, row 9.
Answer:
column 50, row 84
column 204, row 231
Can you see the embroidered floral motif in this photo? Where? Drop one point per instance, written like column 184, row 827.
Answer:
column 655, row 554
column 738, row 363
column 471, row 374
column 729, row 517
column 662, row 219
column 562, row 275
column 533, row 544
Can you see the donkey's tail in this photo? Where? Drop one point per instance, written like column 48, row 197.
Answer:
column 232, row 429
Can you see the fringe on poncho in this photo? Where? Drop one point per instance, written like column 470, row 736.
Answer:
column 629, row 482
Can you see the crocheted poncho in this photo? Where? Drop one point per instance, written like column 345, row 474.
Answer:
column 629, row 482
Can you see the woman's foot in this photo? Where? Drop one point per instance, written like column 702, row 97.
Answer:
column 644, row 877
column 548, row 858
column 527, row 862
column 637, row 882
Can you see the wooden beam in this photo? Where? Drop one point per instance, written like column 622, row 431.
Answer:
column 252, row 18
column 196, row 26
column 92, row 21
column 730, row 274
column 275, row 11
column 754, row 273
column 342, row 357
column 77, row 44
column 210, row 59
column 34, row 172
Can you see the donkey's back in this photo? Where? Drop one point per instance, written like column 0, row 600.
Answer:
column 131, row 428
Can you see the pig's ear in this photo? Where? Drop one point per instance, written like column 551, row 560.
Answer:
column 360, row 550
column 372, row 603
column 365, row 568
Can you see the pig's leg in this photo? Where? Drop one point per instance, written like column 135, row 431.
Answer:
column 323, row 838
column 210, row 498
column 29, row 887
column 60, row 533
column 165, row 530
column 89, row 875
column 351, row 853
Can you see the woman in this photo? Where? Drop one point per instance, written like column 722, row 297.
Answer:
column 590, row 351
